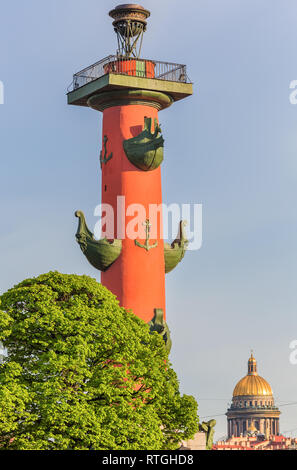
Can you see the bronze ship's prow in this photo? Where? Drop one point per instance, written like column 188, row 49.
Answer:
column 100, row 253
column 175, row 252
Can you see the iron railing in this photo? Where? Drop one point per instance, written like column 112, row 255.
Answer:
column 143, row 68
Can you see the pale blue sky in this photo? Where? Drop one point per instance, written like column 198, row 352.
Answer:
column 232, row 147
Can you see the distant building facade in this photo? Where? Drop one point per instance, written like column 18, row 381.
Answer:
column 258, row 442
column 197, row 443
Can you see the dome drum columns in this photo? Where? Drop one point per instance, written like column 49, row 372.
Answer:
column 252, row 424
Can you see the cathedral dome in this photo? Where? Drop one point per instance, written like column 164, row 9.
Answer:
column 252, row 410
column 252, row 383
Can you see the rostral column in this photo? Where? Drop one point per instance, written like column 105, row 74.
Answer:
column 130, row 91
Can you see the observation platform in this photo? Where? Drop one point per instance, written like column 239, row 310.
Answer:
column 118, row 73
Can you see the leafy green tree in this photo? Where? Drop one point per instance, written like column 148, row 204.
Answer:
column 84, row 373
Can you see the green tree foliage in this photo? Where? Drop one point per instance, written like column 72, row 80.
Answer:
column 84, row 373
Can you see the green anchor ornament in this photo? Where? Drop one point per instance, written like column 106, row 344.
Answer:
column 106, row 158
column 146, row 245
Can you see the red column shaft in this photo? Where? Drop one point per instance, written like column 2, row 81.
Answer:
column 137, row 278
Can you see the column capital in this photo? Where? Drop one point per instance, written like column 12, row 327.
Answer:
column 113, row 98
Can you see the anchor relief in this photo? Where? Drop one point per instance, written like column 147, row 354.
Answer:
column 106, row 158
column 146, row 244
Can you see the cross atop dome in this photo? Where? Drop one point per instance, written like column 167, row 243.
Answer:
column 252, row 365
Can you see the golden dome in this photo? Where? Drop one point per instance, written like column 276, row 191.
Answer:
column 252, row 383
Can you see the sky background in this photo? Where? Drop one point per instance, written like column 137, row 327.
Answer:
column 232, row 146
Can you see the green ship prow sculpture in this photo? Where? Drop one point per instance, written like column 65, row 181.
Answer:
column 101, row 254
column 145, row 151
column 159, row 325
column 175, row 252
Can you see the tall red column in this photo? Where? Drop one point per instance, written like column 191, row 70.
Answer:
column 137, row 278
column 130, row 92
